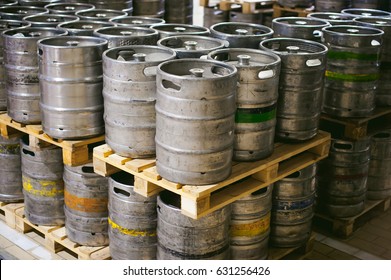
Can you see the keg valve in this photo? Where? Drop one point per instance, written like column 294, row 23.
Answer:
column 69, row 8
column 244, row 59
column 197, row 72
column 140, row 57
column 180, row 29
column 190, row 45
column 73, row 43
column 137, row 21
column 292, row 49
column 241, row 31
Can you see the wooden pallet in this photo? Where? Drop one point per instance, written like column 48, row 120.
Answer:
column 281, row 11
column 293, row 253
column 246, row 177
column 347, row 226
column 356, row 128
column 74, row 152
column 56, row 239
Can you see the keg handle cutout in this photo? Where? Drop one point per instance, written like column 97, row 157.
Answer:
column 121, row 192
column 375, row 43
column 317, row 34
column 296, row 174
column 125, row 55
column 313, row 62
column 342, row 146
column 170, row 85
column 266, row 74
column 87, row 169
column 382, row 135
column 219, row 71
column 27, row 152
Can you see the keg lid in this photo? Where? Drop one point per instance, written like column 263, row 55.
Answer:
column 352, row 36
column 136, row 21
column 85, row 25
column 49, row 20
column 37, row 3
column 68, row 8
column 170, row 29
column 377, row 22
column 33, row 33
column 333, row 18
column 10, row 24
column 8, row 2
column 140, row 54
column 366, row 12
column 239, row 29
column 73, row 42
column 100, row 14
column 125, row 31
column 293, row 46
column 300, row 22
column 192, row 43
column 19, row 12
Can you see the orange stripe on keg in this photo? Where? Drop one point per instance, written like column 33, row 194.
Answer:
column 251, row 229
column 131, row 232
column 85, row 204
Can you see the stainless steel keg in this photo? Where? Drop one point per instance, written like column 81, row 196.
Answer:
column 83, row 27
column 10, row 170
column 132, row 221
column 352, row 71
column 49, row 20
column 85, row 205
column 136, row 21
column 129, row 91
column 299, row 102
column 9, row 3
column 118, row 36
column 19, row 12
column 37, row 3
column 172, row 29
column 334, row 18
column 112, row 4
column 195, row 120
column 178, row 11
column 21, row 71
column 150, row 8
column 99, row 14
column 299, row 27
column 241, row 35
column 257, row 95
column 68, row 8
column 366, row 12
column 191, row 46
column 182, row 238
column 70, row 73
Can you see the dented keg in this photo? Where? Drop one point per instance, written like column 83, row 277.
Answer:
column 379, row 175
column 299, row 103
column 191, row 46
column 83, row 27
column 343, row 178
column 299, row 27
column 49, row 20
column 293, row 208
column 43, row 186
column 118, row 36
column 172, row 29
column 183, row 238
column 250, row 225
column 366, row 12
column 383, row 90
column 178, row 11
column 255, row 119
column 149, row 8
column 6, row 24
column 295, row 3
column 195, row 120
column 85, row 199
column 334, row 18
column 71, row 82
column 241, row 35
column 136, row 21
column 99, row 14
column 21, row 71
column 18, row 12
column 352, row 71
column 68, row 8
column 132, row 220
column 10, row 170
column 331, row 5
column 129, row 91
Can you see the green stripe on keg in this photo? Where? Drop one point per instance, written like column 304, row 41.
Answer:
column 349, row 55
column 255, row 115
column 352, row 77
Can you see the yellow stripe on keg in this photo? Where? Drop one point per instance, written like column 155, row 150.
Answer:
column 47, row 188
column 252, row 229
column 131, row 232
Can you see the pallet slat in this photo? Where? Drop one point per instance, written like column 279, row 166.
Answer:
column 280, row 11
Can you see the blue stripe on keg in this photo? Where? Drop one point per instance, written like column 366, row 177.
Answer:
column 293, row 205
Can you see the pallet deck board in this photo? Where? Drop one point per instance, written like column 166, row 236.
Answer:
column 345, row 227
column 197, row 201
column 280, row 11
column 298, row 252
column 75, row 152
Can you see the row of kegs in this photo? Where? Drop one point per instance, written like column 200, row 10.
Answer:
column 174, row 11
column 196, row 114
column 336, row 5
column 99, row 211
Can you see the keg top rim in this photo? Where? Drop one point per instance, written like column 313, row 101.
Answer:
column 196, row 38
column 238, row 25
column 169, row 27
column 358, row 11
column 141, row 48
column 342, row 17
column 334, row 30
column 374, row 21
column 246, row 52
column 322, row 48
column 286, row 21
column 9, row 2
column 103, row 31
column 77, row 24
column 37, row 18
column 9, row 33
column 13, row 9
column 87, row 13
column 53, row 6
column 21, row 22
column 53, row 42
column 148, row 20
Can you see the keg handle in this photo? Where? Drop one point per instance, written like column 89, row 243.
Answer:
column 313, row 62
column 343, row 146
column 317, row 33
column 27, row 152
column 266, row 74
column 121, row 192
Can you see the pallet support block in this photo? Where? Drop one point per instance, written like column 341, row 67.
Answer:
column 194, row 208
column 145, row 188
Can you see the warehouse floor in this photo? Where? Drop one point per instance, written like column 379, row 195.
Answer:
column 370, row 242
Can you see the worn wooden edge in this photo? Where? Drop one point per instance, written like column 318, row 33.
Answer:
column 378, row 112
